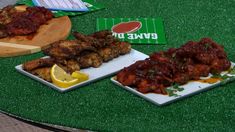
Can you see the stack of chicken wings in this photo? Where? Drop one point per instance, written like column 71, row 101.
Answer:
column 176, row 65
column 83, row 52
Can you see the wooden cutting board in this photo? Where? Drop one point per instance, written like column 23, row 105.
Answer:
column 56, row 29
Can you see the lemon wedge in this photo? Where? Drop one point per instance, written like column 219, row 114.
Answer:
column 61, row 78
column 80, row 76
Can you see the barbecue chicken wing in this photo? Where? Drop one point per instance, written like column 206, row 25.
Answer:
column 26, row 22
column 176, row 65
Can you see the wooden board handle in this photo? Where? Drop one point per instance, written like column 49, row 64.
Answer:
column 11, row 49
column 33, row 49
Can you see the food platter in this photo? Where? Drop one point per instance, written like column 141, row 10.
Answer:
column 106, row 69
column 191, row 88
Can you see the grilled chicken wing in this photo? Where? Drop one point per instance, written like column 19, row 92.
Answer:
column 69, row 65
column 88, row 39
column 67, row 49
column 123, row 47
column 43, row 73
column 98, row 40
column 106, row 54
column 90, row 60
column 101, row 34
column 38, row 63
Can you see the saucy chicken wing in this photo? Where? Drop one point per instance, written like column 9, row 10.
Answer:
column 176, row 65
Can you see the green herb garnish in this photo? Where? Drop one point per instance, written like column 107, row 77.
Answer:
column 207, row 46
column 225, row 78
column 232, row 70
column 171, row 91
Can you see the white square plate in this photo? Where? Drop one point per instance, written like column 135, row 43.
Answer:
column 106, row 69
column 191, row 88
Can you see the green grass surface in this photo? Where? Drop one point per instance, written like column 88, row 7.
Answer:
column 104, row 106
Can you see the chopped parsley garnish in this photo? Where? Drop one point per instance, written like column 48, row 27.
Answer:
column 171, row 91
column 207, row 46
column 232, row 70
column 225, row 78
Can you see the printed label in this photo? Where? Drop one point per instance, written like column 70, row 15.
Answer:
column 139, row 30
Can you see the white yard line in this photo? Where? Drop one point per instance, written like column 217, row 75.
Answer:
column 146, row 25
column 154, row 27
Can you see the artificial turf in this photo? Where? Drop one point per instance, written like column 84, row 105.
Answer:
column 103, row 106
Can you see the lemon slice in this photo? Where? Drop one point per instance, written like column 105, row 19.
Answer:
column 80, row 76
column 61, row 78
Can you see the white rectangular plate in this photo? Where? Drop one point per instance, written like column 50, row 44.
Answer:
column 191, row 88
column 106, row 69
